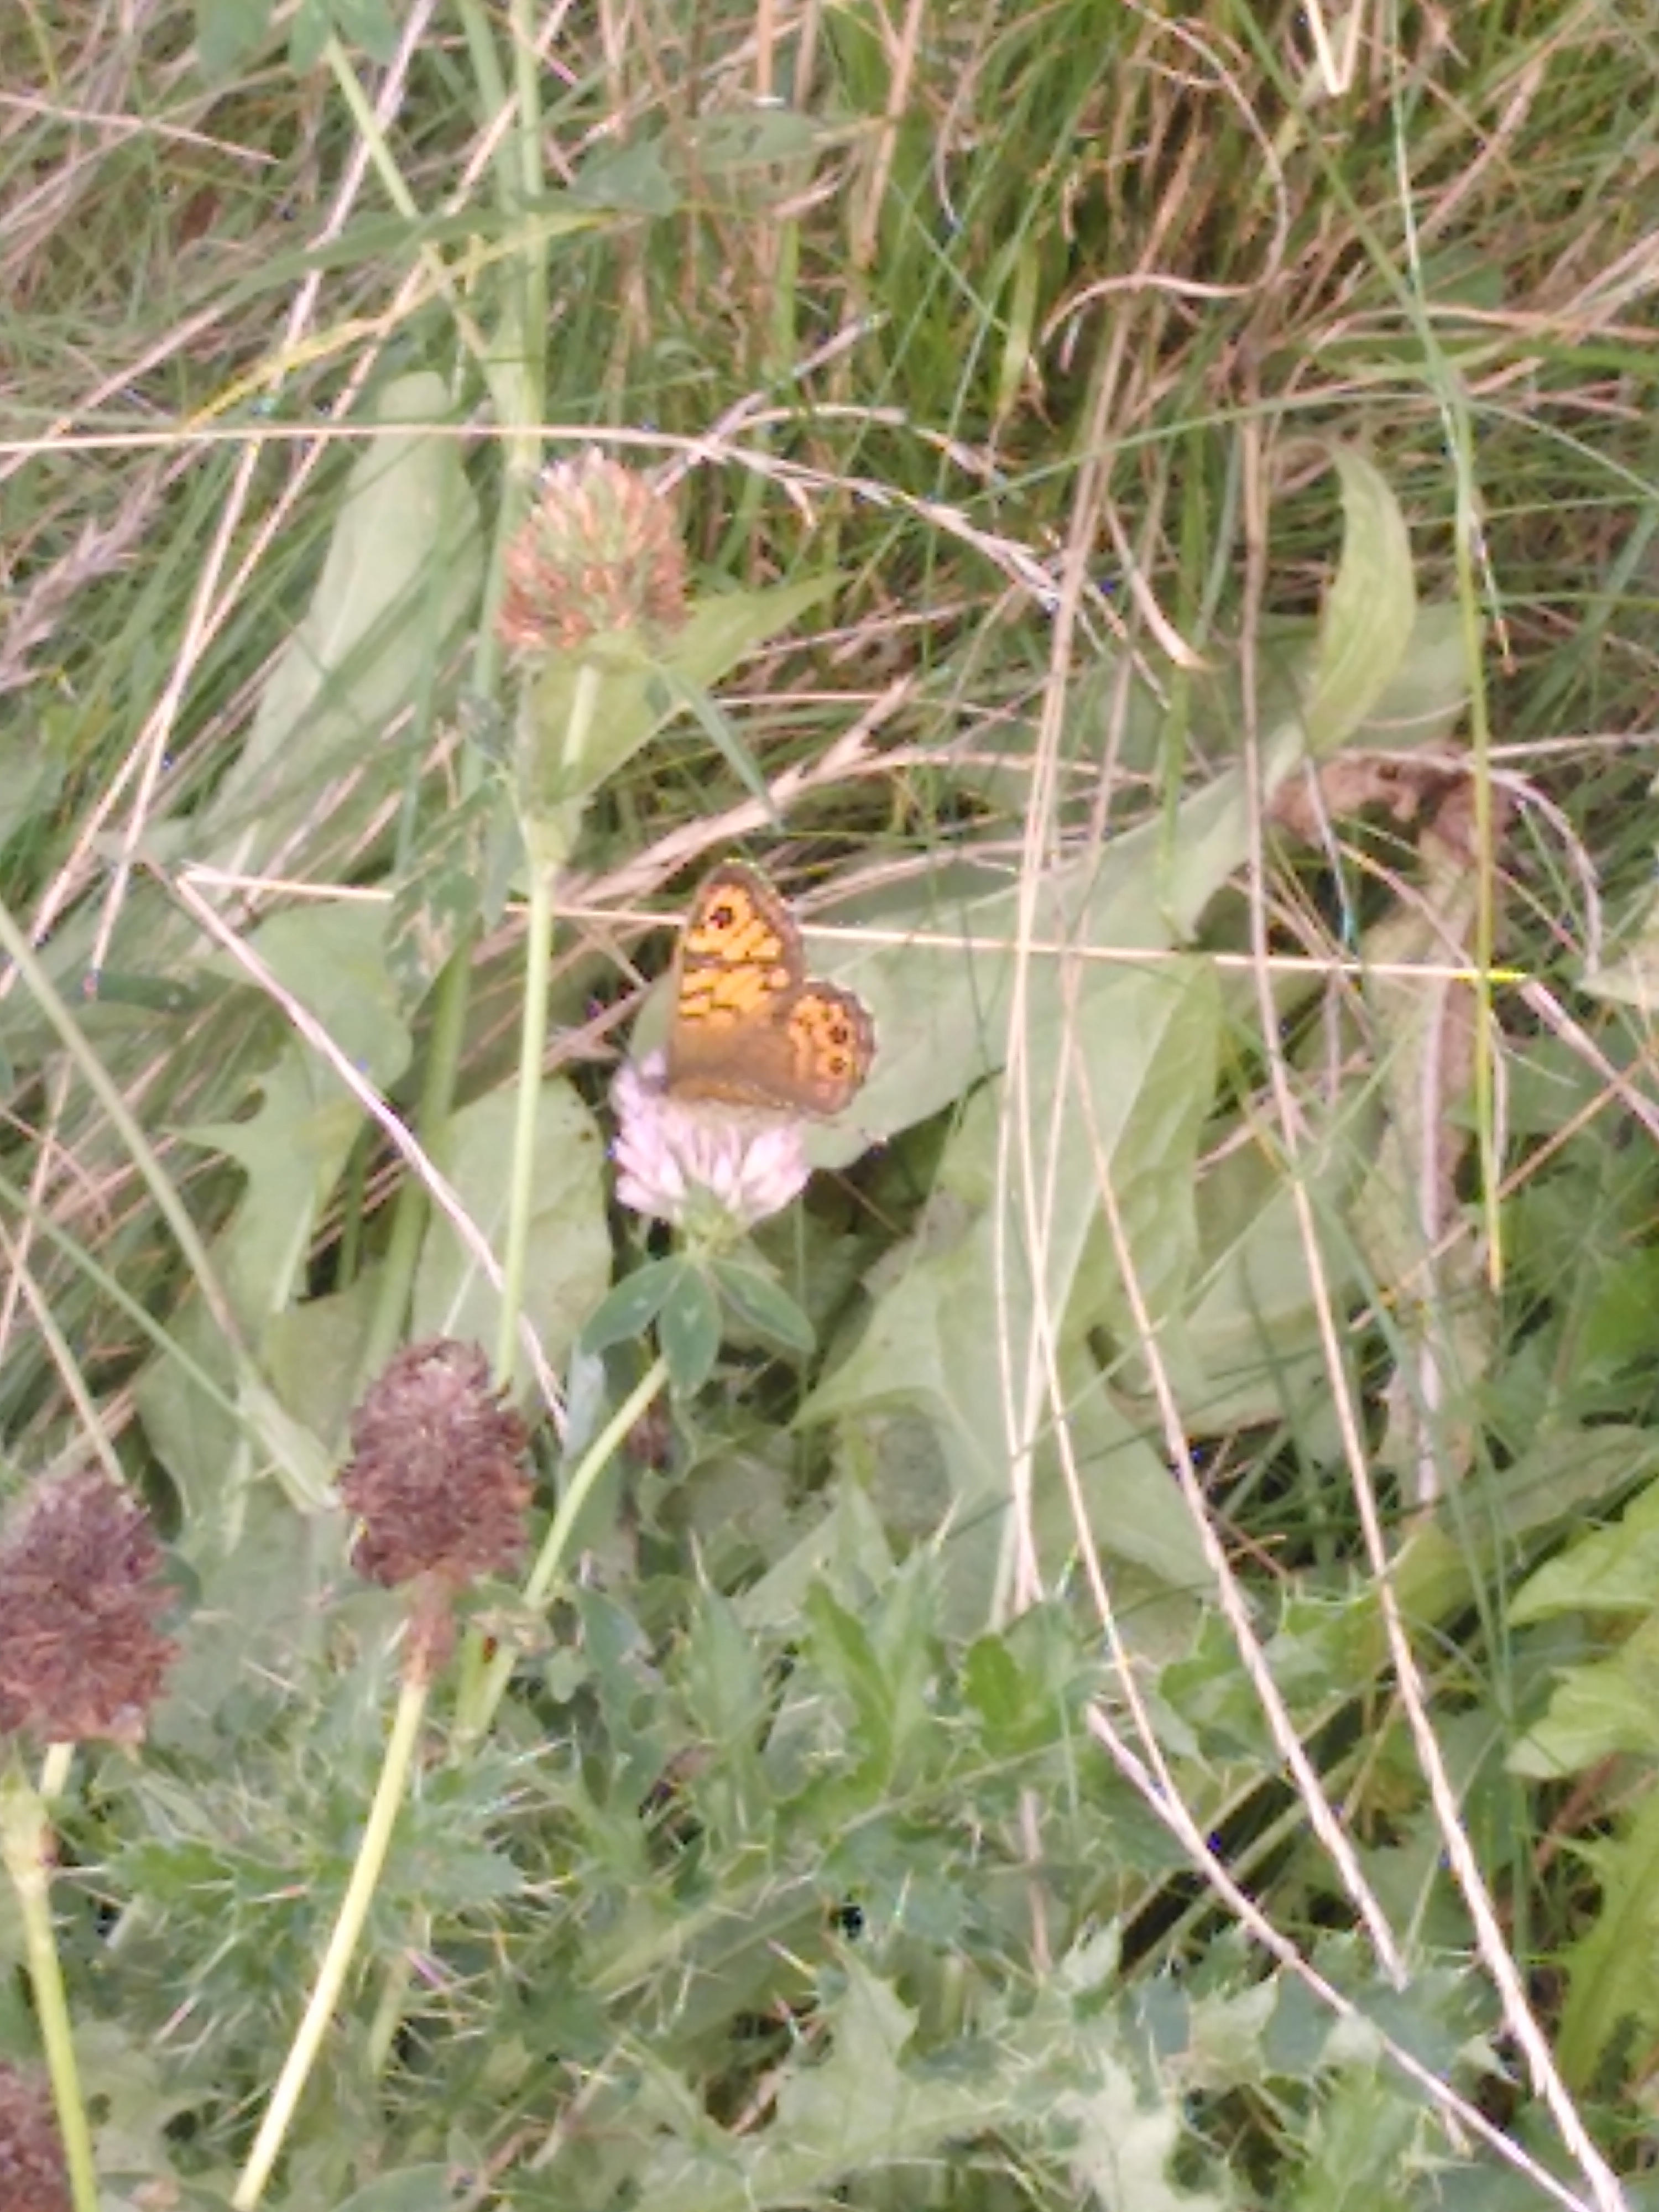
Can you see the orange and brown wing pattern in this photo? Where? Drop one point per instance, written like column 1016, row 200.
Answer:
column 749, row 1028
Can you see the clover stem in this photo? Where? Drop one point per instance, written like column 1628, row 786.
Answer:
column 479, row 1699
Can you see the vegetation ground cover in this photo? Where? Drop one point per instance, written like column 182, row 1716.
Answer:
column 1097, row 1653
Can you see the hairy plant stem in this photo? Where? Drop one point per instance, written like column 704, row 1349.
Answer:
column 341, row 1947
column 26, row 1846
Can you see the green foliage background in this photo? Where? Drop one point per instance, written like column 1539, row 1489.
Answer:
column 1116, row 1672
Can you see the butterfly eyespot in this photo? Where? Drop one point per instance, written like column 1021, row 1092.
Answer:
column 749, row 1027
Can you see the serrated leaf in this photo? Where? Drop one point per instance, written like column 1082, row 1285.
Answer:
column 1597, row 1711
column 726, row 1684
column 842, row 1652
column 1364, row 2127
column 1611, row 1986
column 1608, row 1570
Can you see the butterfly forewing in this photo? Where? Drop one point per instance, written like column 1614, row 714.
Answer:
column 749, row 1027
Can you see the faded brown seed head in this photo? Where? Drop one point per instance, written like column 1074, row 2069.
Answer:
column 80, row 1654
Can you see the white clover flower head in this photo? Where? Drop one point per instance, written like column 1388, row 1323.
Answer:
column 696, row 1164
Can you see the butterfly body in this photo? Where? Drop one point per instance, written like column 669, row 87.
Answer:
column 750, row 1026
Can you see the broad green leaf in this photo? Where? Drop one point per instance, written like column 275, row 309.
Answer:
column 1569, row 1473
column 402, row 570
column 298, row 1458
column 689, row 1330
column 1366, row 624
column 257, row 1622
column 634, row 178
column 368, row 24
column 293, row 1148
column 942, row 1007
column 332, row 959
column 311, row 28
column 314, row 1352
column 1248, row 1347
column 569, row 1257
column 952, row 1334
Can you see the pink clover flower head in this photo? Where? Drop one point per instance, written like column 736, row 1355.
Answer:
column 699, row 1165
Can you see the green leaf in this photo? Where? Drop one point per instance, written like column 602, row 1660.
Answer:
column 293, row 1148
column 1369, row 612
column 1610, row 1570
column 689, row 1330
column 444, row 890
column 402, row 574
column 229, row 32
column 724, row 1679
column 632, row 177
column 1124, row 2144
column 763, row 1305
column 640, row 695
column 314, row 1353
column 332, row 959
column 942, row 1007
column 841, row 1652
column 1363, row 2128
column 311, row 30
column 1569, row 1473
column 1611, row 1987
column 569, row 1258
column 1597, row 1711
column 626, row 1313
column 369, row 24
column 1096, row 1043
column 417, row 2189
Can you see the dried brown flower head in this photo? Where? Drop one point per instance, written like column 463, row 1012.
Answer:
column 437, row 1474
column 80, row 1654
column 600, row 552
column 32, row 2176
